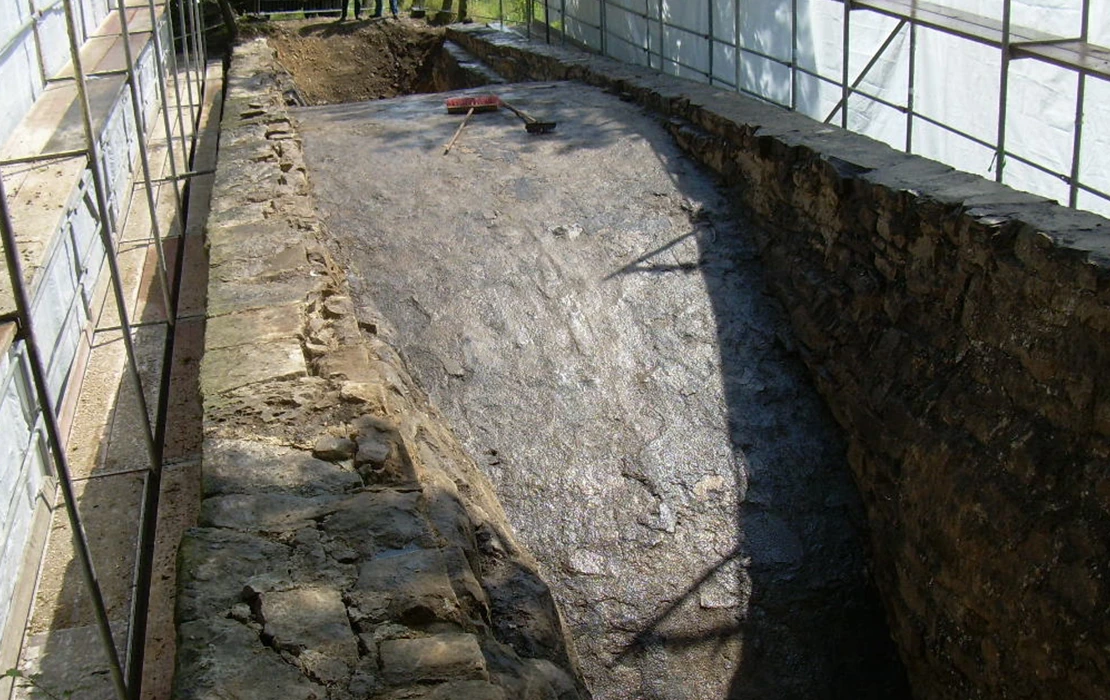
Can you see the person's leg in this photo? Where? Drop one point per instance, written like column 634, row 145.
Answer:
column 358, row 8
column 377, row 8
column 393, row 6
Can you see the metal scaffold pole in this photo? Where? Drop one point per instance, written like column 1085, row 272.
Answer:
column 186, row 55
column 738, row 63
column 1003, row 93
column 793, row 54
column 54, row 438
column 106, row 236
column 167, row 123
column 144, row 156
column 844, row 89
column 1080, row 99
column 709, row 37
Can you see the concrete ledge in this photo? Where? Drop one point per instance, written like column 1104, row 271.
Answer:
column 960, row 332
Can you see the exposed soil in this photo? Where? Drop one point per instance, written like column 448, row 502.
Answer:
column 334, row 62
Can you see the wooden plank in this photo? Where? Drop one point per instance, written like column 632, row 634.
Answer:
column 1076, row 55
column 138, row 20
column 105, row 53
column 984, row 30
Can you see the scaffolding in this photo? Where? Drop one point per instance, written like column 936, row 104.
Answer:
column 713, row 41
column 133, row 79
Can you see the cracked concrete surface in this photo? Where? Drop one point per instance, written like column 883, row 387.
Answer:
column 590, row 314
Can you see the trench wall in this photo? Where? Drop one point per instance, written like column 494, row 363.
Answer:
column 960, row 332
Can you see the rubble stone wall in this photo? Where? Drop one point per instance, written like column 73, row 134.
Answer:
column 960, row 332
column 346, row 546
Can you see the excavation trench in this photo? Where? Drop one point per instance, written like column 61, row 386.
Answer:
column 589, row 312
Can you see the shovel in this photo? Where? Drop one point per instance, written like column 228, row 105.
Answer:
column 531, row 124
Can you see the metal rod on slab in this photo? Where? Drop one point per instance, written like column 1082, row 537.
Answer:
column 54, row 438
column 1077, row 140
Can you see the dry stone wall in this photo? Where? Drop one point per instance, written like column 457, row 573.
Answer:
column 346, row 547
column 960, row 332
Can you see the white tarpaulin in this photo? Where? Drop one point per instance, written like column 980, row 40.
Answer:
column 956, row 81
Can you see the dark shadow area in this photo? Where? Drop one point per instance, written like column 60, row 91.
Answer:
column 814, row 626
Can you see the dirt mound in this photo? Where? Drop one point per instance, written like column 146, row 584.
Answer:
column 334, row 62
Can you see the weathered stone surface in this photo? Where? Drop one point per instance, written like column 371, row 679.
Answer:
column 936, row 311
column 250, row 327
column 309, row 619
column 262, row 512
column 408, row 585
column 214, row 564
column 333, row 449
column 225, row 369
column 219, row 659
column 372, row 522
column 443, row 657
column 247, row 467
column 301, row 574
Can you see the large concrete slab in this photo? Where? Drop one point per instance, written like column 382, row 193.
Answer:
column 590, row 314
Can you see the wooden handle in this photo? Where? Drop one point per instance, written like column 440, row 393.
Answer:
column 451, row 143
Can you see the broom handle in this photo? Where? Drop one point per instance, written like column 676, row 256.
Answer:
column 451, row 143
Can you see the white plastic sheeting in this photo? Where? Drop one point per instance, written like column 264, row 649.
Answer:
column 956, row 82
column 21, row 72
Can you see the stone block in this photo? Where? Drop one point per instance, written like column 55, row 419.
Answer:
column 370, row 522
column 334, row 449
column 219, row 658
column 232, row 296
column 255, row 326
column 247, row 467
column 226, row 369
column 311, row 619
column 412, row 586
column 215, row 564
column 262, row 512
column 444, row 657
